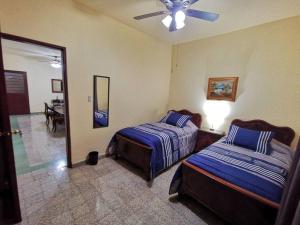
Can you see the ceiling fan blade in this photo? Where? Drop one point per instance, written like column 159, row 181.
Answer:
column 202, row 15
column 172, row 27
column 168, row 3
column 150, row 15
column 53, row 56
column 193, row 1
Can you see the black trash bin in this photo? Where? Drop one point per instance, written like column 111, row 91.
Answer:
column 92, row 158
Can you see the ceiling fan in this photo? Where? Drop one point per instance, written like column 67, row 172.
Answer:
column 55, row 61
column 177, row 11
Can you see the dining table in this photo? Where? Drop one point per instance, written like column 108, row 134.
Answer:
column 60, row 109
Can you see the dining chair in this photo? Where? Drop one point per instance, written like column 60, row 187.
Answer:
column 48, row 113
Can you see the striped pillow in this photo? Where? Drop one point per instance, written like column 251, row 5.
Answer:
column 176, row 119
column 258, row 141
column 164, row 119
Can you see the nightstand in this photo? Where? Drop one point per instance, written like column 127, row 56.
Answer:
column 206, row 137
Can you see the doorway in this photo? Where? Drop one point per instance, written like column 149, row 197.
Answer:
column 52, row 60
column 25, row 114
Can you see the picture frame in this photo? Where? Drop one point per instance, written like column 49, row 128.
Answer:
column 57, row 86
column 222, row 88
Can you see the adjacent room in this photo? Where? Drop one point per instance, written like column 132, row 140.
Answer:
column 149, row 112
column 33, row 77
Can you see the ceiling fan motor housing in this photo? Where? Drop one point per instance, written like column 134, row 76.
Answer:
column 176, row 5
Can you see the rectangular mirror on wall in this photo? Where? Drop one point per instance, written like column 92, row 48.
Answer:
column 101, row 101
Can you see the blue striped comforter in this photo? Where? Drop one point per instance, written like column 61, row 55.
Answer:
column 262, row 174
column 169, row 143
column 101, row 118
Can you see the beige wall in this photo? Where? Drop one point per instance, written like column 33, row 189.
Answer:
column 37, row 73
column 265, row 58
column 139, row 66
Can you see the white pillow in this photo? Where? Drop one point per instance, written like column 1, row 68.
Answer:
column 191, row 125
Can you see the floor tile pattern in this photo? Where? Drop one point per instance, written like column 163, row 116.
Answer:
column 111, row 192
column 38, row 147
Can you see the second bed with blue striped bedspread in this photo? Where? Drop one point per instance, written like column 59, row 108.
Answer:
column 262, row 174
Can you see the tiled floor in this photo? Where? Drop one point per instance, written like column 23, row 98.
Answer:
column 38, row 147
column 109, row 193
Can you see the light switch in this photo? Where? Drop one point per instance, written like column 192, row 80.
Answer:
column 89, row 98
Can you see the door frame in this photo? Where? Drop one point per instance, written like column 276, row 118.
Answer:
column 26, row 83
column 9, row 178
column 63, row 50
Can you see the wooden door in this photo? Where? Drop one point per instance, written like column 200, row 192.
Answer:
column 9, row 199
column 17, row 92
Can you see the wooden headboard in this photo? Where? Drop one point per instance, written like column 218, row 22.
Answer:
column 196, row 117
column 282, row 134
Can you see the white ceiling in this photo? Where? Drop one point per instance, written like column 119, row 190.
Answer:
column 31, row 51
column 234, row 15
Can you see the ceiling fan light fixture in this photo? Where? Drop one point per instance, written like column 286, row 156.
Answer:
column 56, row 65
column 179, row 25
column 180, row 16
column 167, row 21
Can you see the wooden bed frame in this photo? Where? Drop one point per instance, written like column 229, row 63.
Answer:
column 234, row 204
column 139, row 154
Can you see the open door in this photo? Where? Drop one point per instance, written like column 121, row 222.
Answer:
column 9, row 199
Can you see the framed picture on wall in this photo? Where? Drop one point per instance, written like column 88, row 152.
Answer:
column 57, row 86
column 222, row 88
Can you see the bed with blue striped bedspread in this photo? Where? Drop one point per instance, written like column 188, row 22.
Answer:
column 261, row 174
column 169, row 143
column 101, row 118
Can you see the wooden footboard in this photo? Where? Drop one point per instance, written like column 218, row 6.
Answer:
column 135, row 153
column 232, row 203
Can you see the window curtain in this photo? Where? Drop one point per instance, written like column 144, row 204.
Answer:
column 289, row 211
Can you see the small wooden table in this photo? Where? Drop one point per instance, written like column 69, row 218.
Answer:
column 58, row 109
column 207, row 137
